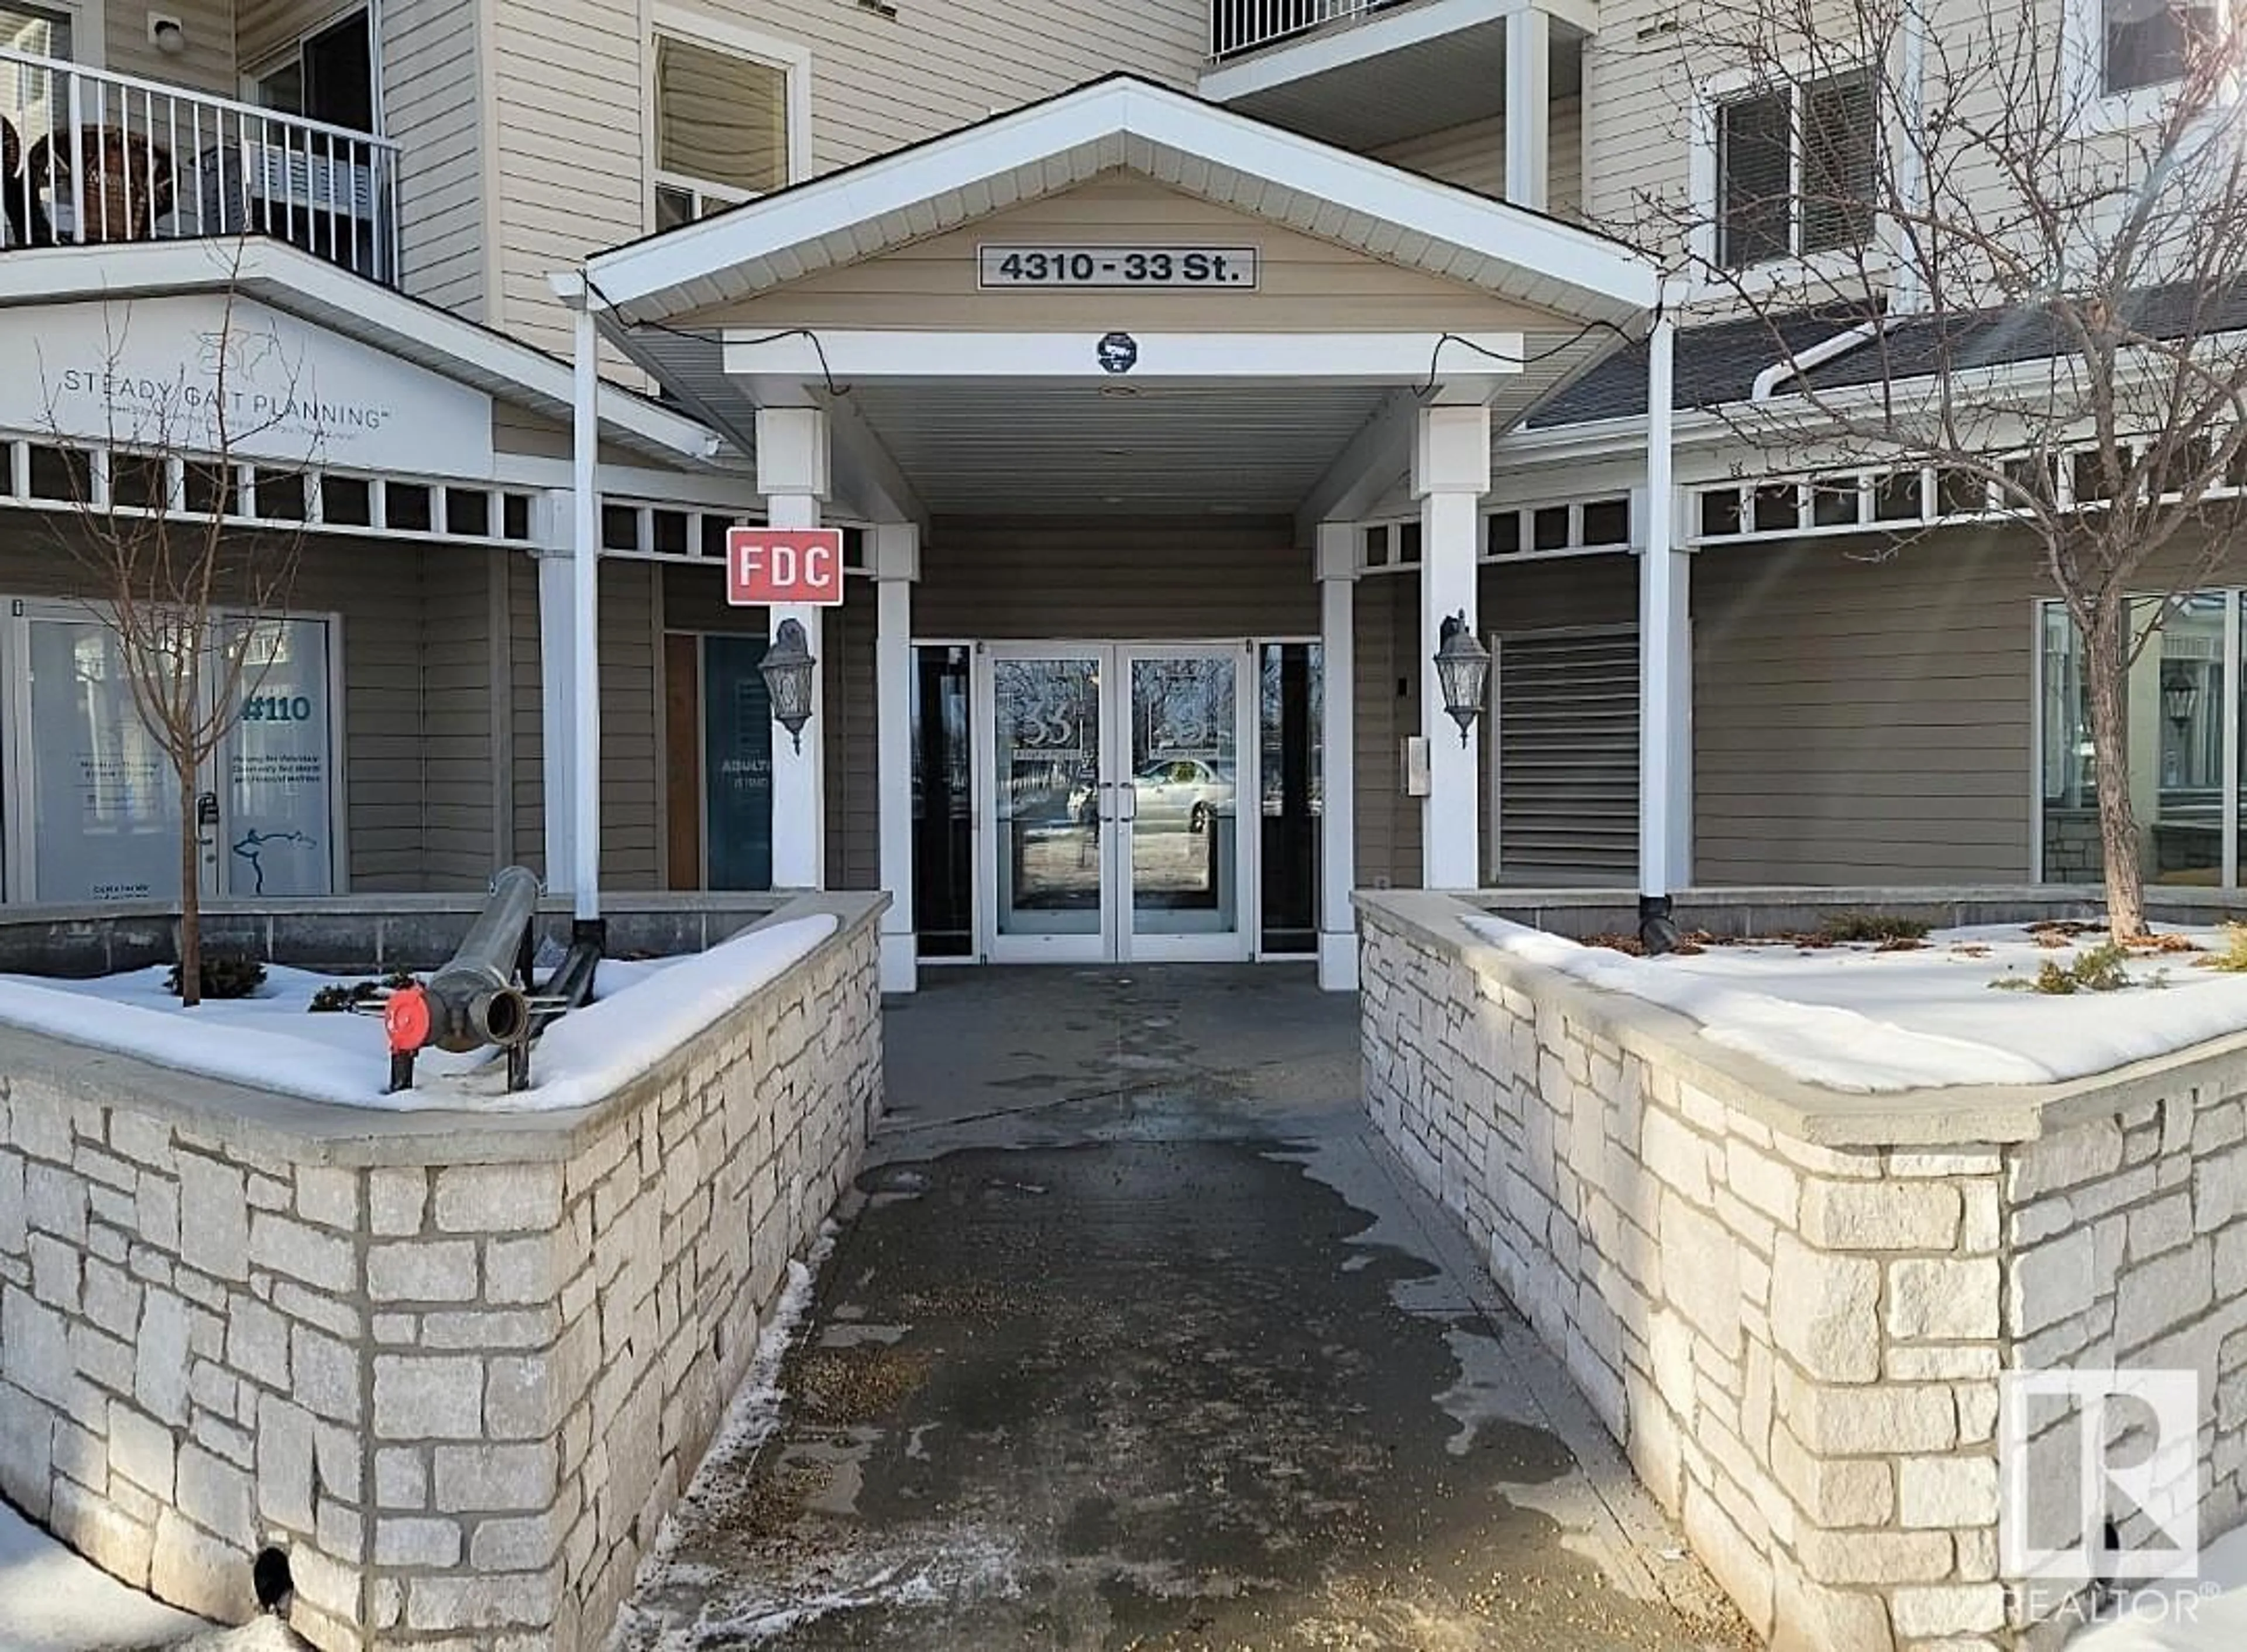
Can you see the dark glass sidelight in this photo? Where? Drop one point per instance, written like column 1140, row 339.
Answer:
column 943, row 805
column 1288, row 734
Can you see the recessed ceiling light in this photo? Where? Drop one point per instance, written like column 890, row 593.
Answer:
column 1112, row 499
column 1119, row 390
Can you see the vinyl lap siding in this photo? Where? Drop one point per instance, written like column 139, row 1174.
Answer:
column 208, row 64
column 1145, row 580
column 1863, row 721
column 1473, row 157
column 430, row 69
column 631, row 711
column 461, row 782
column 1636, row 131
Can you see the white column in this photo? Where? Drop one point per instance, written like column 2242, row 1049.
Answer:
column 1337, row 572
column 557, row 704
column 1665, row 693
column 1451, row 472
column 793, row 474
column 897, row 565
column 585, row 627
column 1529, row 107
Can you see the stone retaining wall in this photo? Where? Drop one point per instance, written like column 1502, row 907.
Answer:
column 457, row 1367
column 1792, row 1308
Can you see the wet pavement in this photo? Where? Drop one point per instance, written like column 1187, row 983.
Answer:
column 1136, row 1338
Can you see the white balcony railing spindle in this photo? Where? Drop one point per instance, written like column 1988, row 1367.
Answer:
column 1236, row 26
column 106, row 157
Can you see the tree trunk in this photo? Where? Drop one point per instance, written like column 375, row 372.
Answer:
column 191, row 897
column 2108, row 647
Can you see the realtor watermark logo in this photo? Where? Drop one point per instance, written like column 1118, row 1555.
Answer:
column 2100, row 1480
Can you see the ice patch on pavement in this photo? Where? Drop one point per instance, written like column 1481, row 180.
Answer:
column 1488, row 1391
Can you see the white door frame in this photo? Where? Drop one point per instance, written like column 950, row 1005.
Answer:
column 1117, row 939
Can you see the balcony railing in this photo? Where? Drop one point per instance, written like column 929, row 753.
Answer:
column 90, row 158
column 1236, row 26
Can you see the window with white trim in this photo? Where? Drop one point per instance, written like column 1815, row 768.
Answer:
column 1794, row 170
column 723, row 128
column 2148, row 43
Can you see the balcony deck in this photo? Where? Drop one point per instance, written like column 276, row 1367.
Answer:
column 89, row 158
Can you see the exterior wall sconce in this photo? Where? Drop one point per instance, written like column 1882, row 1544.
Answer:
column 1462, row 667
column 787, row 669
column 167, row 34
column 2180, row 697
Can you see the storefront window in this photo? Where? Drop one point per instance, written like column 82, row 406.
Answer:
column 2181, row 717
column 942, row 804
column 1289, row 739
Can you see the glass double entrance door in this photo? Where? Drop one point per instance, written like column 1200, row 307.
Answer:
column 1113, row 773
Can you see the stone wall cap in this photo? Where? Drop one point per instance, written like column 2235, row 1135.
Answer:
column 329, row 1133
column 1950, row 1116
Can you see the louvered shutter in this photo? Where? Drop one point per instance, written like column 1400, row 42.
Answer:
column 1840, row 132
column 1755, row 179
column 1568, row 755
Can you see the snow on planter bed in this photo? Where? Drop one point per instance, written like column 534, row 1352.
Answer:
column 1852, row 1018
column 271, row 1041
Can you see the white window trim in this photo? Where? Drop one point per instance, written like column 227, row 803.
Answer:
column 89, row 30
column 2083, row 44
column 1819, row 271
column 793, row 60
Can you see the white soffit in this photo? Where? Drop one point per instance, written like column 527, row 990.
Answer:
column 1226, row 158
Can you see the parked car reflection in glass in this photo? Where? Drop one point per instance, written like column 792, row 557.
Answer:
column 1182, row 794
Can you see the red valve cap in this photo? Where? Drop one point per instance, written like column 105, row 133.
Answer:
column 406, row 1018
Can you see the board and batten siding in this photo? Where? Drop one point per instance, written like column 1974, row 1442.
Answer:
column 1473, row 157
column 432, row 56
column 1303, row 283
column 399, row 753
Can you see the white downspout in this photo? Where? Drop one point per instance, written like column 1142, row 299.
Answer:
column 1768, row 381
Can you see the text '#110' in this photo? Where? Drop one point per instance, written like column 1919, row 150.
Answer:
column 1230, row 268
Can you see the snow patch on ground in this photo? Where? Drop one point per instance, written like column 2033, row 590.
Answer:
column 54, row 1600
column 1854, row 1019
column 271, row 1042
column 2209, row 1618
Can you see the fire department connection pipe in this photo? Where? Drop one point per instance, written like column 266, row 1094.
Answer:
column 474, row 1001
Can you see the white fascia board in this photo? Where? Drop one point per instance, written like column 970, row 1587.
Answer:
column 1375, row 461
column 651, row 280
column 1336, row 46
column 1301, row 358
column 332, row 297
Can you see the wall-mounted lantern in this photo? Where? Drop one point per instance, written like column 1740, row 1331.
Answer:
column 787, row 669
column 1463, row 668
column 2180, row 697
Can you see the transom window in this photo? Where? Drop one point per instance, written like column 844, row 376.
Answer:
column 2148, row 43
column 1794, row 170
column 721, row 129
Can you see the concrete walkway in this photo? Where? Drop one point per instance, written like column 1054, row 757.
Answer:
column 1137, row 1338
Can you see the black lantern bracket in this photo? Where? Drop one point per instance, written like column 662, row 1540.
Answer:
column 788, row 669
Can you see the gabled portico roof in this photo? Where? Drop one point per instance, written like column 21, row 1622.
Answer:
column 1180, row 141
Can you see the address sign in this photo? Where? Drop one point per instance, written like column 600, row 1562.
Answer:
column 1117, row 266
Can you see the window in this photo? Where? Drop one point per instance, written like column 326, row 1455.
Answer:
column 1794, row 170
column 30, row 97
column 328, row 76
column 721, row 129
column 2147, row 43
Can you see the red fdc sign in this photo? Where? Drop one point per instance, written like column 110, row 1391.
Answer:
column 767, row 566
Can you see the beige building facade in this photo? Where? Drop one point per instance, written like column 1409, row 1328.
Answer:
column 1172, row 373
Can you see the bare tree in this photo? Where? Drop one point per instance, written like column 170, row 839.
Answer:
column 1987, row 247
column 191, row 594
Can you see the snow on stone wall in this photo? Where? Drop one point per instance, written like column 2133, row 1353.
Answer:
column 457, row 1373
column 1799, row 1346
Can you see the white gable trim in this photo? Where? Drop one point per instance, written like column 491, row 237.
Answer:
column 1223, row 157
column 327, row 296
